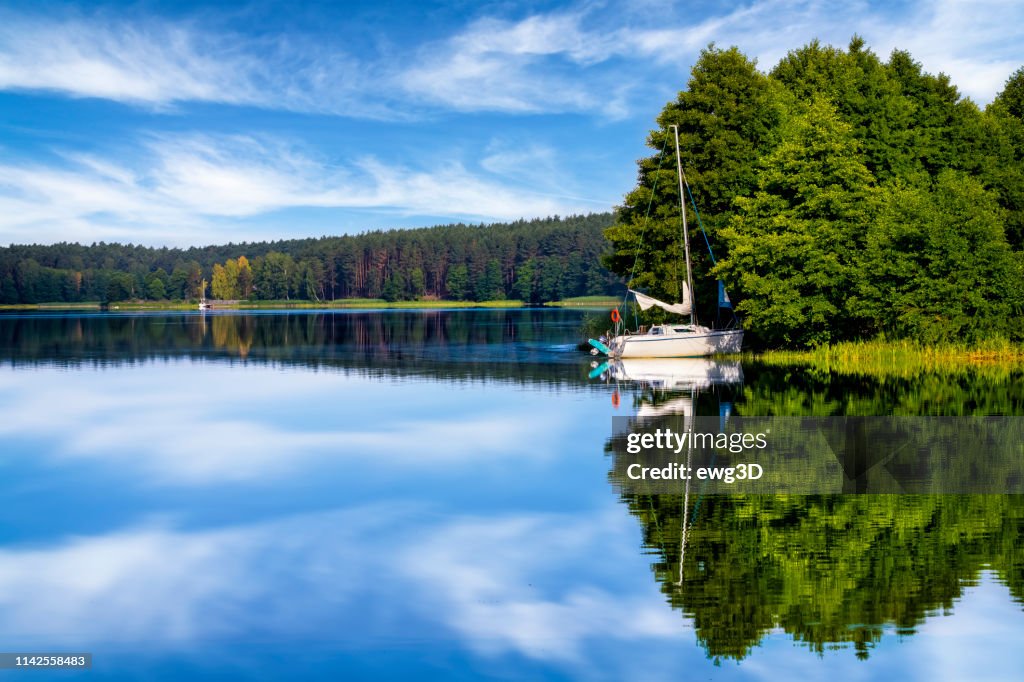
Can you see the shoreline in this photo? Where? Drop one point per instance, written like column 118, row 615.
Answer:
column 368, row 303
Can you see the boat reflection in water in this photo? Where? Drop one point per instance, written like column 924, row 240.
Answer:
column 666, row 386
column 676, row 374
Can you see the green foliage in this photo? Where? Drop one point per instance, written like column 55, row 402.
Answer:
column 457, row 282
column 272, row 276
column 1011, row 99
column 830, row 570
column 937, row 267
column 120, row 287
column 793, row 245
column 489, row 286
column 524, row 287
column 445, row 262
column 392, row 289
column 847, row 197
column 728, row 117
column 155, row 290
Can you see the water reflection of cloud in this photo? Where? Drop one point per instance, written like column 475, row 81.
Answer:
column 159, row 584
column 528, row 585
column 568, row 592
column 250, row 424
column 478, row 571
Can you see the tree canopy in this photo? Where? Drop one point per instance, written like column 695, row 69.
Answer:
column 846, row 197
column 532, row 260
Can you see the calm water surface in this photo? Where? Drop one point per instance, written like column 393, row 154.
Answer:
column 430, row 495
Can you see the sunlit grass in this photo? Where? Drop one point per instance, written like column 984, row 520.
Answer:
column 904, row 358
column 586, row 302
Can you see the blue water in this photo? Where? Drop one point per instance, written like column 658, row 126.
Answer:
column 199, row 512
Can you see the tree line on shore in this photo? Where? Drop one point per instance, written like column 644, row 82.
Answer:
column 531, row 260
column 847, row 197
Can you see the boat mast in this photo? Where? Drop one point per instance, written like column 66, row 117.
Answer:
column 686, row 232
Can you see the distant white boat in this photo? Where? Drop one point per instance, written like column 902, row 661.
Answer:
column 674, row 340
column 204, row 304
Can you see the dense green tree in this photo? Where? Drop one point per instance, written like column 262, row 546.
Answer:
column 859, row 85
column 799, row 210
column 793, row 245
column 392, row 290
column 219, row 285
column 728, row 117
column 489, row 286
column 457, row 282
column 272, row 276
column 155, row 289
column 417, row 283
column 120, row 287
column 311, row 279
column 178, row 284
column 331, row 267
column 524, row 287
column 937, row 266
column 1011, row 99
column 195, row 286
column 1002, row 164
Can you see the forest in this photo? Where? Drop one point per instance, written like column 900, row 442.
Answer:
column 846, row 198
column 535, row 261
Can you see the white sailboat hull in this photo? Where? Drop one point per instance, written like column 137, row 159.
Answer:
column 673, row 344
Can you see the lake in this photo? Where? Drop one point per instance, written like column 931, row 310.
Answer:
column 434, row 495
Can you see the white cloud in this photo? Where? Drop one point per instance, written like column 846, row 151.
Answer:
column 181, row 185
column 587, row 58
column 159, row 64
column 544, row 63
column 977, row 44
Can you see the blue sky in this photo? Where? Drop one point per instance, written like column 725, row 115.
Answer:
column 177, row 123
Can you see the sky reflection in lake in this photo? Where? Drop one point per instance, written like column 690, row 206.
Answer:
column 198, row 517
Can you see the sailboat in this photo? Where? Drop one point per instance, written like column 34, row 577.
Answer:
column 673, row 340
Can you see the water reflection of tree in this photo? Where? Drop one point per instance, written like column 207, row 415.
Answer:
column 833, row 571
column 464, row 344
column 956, row 390
column 830, row 570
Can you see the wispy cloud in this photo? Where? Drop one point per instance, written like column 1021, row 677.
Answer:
column 977, row 44
column 604, row 62
column 581, row 58
column 159, row 64
column 156, row 64
column 590, row 60
column 181, row 185
column 539, row 64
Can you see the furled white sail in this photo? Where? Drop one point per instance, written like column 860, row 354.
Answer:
column 681, row 308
